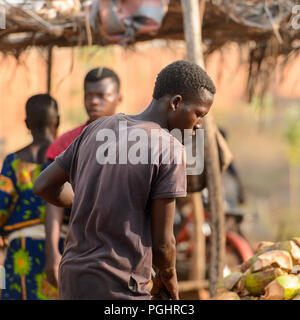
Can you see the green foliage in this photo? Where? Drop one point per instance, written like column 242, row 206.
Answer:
column 292, row 136
column 288, row 225
column 93, row 56
column 263, row 106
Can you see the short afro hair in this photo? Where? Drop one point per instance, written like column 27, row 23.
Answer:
column 99, row 74
column 41, row 101
column 184, row 78
column 37, row 110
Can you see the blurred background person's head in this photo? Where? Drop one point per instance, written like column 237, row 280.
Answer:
column 101, row 93
column 42, row 118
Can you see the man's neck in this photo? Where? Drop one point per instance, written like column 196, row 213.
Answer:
column 155, row 112
column 42, row 137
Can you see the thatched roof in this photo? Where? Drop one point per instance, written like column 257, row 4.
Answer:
column 266, row 25
column 224, row 20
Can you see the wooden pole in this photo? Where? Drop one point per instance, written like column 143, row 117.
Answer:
column 193, row 17
column 197, row 266
column 192, row 21
column 49, row 68
column 216, row 203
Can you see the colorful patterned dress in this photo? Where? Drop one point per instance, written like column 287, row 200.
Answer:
column 21, row 219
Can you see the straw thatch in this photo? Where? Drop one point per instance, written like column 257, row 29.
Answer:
column 62, row 23
column 270, row 27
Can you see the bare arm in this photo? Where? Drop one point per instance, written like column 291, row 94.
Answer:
column 164, row 246
column 50, row 186
column 53, row 222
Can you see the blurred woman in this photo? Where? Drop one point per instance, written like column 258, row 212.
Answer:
column 21, row 212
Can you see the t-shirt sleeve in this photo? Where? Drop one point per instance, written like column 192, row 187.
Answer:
column 170, row 181
column 67, row 159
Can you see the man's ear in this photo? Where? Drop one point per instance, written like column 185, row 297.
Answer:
column 175, row 102
column 120, row 98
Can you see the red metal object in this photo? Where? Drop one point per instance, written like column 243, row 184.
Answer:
column 233, row 238
column 240, row 244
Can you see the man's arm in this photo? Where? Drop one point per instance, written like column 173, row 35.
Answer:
column 53, row 222
column 50, row 186
column 164, row 246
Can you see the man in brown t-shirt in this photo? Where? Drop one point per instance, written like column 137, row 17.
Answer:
column 126, row 172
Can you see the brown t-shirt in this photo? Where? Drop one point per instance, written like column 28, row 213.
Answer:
column 108, row 253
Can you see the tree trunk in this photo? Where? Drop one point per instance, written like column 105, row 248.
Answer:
column 216, row 202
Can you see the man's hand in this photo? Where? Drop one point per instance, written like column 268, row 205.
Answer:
column 166, row 282
column 3, row 242
column 164, row 246
column 51, row 268
column 3, row 248
column 53, row 222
